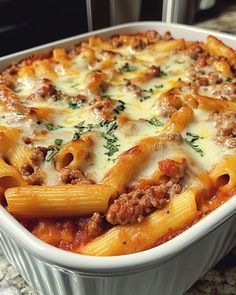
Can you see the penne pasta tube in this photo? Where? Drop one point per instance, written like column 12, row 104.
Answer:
column 73, row 154
column 26, row 71
column 168, row 46
column 60, row 55
column 96, row 41
column 16, row 154
column 223, row 174
column 129, row 162
column 19, row 155
column 224, row 68
column 88, row 54
column 214, row 104
column 64, row 200
column 43, row 68
column 176, row 99
column 94, row 81
column 9, row 177
column 179, row 120
column 217, row 47
column 125, row 239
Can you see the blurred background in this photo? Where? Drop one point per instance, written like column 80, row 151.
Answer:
column 27, row 23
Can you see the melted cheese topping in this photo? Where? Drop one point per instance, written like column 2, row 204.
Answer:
column 149, row 117
column 128, row 89
column 208, row 153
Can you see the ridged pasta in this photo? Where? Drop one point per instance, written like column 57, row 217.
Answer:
column 114, row 144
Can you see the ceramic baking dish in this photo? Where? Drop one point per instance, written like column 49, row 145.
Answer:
column 169, row 269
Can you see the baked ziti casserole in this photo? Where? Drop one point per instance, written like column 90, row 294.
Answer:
column 117, row 145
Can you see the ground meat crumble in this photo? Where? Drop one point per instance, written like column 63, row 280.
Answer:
column 68, row 175
column 132, row 207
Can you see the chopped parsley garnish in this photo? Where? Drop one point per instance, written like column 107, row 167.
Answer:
column 58, row 141
column 51, row 126
column 145, row 97
column 76, row 136
column 106, row 96
column 3, row 117
column 111, row 139
column 155, row 122
column 17, row 90
column 120, row 107
column 191, row 139
column 162, row 73
column 159, row 86
column 110, row 125
column 111, row 145
column 193, row 56
column 128, row 68
column 150, row 90
column 148, row 94
column 83, row 128
column 19, row 114
column 74, row 85
column 108, row 128
column 178, row 61
column 75, row 104
column 50, row 154
column 228, row 79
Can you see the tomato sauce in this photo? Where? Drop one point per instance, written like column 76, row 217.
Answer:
column 72, row 233
column 172, row 234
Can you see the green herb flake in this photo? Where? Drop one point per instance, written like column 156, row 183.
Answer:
column 194, row 56
column 19, row 114
column 112, row 160
column 159, row 86
column 83, row 128
column 76, row 136
column 106, row 96
column 110, row 125
column 228, row 79
column 148, row 92
column 111, row 139
column 191, row 139
column 17, row 90
column 155, row 122
column 58, row 141
column 178, row 61
column 74, row 85
column 50, row 154
column 75, row 104
column 146, row 97
column 108, row 128
column 120, row 107
column 51, row 126
column 162, row 73
column 3, row 117
column 128, row 68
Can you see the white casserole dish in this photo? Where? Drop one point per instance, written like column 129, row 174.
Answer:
column 169, row 269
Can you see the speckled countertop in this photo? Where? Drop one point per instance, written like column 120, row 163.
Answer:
column 219, row 281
